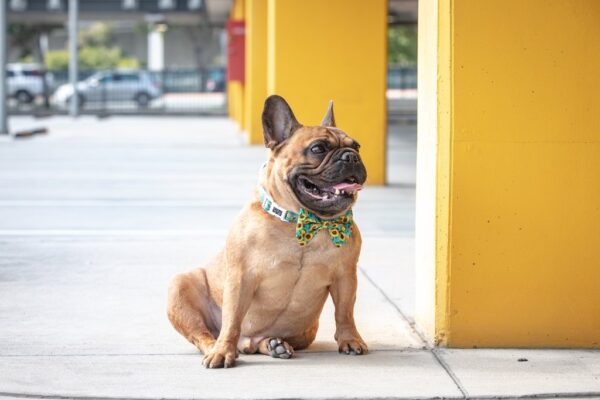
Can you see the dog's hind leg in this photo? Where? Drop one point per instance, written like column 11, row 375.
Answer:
column 304, row 340
column 189, row 309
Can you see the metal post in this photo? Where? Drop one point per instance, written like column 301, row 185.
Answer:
column 73, row 53
column 3, row 94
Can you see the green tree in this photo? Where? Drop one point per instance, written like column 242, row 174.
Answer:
column 402, row 45
column 96, row 51
column 99, row 57
column 26, row 38
column 98, row 34
column 56, row 60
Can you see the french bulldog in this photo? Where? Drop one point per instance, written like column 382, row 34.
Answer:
column 291, row 246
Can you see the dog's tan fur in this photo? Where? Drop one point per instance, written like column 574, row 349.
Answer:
column 263, row 285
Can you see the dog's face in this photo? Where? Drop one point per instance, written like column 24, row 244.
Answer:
column 319, row 166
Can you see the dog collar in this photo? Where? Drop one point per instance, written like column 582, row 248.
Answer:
column 269, row 205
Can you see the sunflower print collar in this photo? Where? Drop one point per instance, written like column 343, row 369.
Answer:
column 308, row 224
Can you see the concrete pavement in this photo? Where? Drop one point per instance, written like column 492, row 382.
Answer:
column 96, row 216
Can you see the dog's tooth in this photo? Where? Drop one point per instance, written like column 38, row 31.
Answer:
column 337, row 191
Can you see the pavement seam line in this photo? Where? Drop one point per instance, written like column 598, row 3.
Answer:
column 449, row 371
column 424, row 341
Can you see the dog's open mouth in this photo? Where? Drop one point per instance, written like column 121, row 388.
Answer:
column 329, row 192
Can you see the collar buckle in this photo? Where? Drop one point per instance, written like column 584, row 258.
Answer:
column 278, row 212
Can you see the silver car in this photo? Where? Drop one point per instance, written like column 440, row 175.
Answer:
column 26, row 81
column 110, row 87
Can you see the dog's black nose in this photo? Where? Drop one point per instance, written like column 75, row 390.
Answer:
column 350, row 156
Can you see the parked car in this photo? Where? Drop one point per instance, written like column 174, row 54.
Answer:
column 111, row 86
column 26, row 81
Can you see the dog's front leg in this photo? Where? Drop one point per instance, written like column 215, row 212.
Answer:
column 238, row 290
column 343, row 293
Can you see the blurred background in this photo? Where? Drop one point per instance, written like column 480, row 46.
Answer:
column 154, row 57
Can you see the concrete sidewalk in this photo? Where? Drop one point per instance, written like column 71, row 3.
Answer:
column 98, row 215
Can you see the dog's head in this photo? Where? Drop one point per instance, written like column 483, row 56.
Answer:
column 315, row 167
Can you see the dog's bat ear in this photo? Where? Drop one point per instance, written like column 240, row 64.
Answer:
column 329, row 118
column 279, row 122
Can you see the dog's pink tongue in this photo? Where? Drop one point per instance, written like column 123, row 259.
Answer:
column 349, row 187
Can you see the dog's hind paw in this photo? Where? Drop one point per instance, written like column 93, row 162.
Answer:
column 278, row 348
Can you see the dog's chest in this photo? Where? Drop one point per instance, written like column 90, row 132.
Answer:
column 296, row 277
column 288, row 276
column 294, row 284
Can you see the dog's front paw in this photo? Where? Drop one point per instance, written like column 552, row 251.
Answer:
column 221, row 355
column 354, row 345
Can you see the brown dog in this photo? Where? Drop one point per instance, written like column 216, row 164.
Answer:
column 290, row 247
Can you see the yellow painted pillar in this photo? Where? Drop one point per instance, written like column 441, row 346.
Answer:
column 255, row 91
column 235, row 89
column 509, row 149
column 333, row 50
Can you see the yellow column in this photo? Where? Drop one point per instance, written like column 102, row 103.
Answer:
column 516, row 230
column 235, row 89
column 255, row 90
column 333, row 50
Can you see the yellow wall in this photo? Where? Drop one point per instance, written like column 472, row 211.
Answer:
column 518, row 256
column 235, row 99
column 336, row 49
column 426, row 250
column 256, row 68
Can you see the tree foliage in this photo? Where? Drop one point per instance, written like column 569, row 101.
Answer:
column 99, row 34
column 96, row 51
column 26, row 38
column 402, row 45
column 100, row 57
column 56, row 60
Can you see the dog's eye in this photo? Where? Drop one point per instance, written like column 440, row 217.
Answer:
column 318, row 149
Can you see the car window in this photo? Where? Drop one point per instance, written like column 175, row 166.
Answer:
column 10, row 74
column 126, row 78
column 31, row 73
column 105, row 78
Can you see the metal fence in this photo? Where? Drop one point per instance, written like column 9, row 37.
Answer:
column 171, row 91
column 402, row 93
column 402, row 77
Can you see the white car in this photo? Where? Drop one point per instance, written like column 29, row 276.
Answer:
column 26, row 81
column 111, row 86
